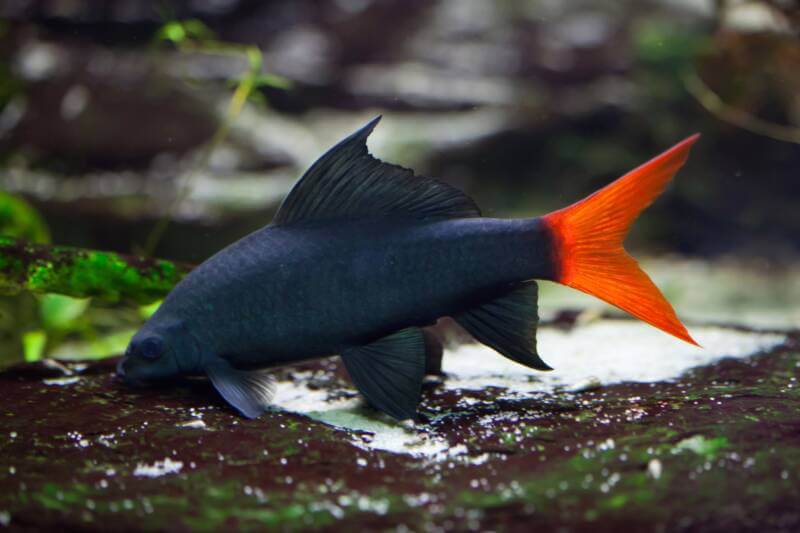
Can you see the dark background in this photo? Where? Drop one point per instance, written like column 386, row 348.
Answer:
column 526, row 105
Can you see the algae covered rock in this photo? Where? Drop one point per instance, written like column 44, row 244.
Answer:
column 643, row 433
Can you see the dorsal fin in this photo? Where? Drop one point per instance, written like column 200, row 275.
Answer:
column 348, row 182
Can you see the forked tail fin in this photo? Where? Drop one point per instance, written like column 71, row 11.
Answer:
column 588, row 236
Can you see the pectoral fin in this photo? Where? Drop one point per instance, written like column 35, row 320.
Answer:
column 508, row 324
column 389, row 372
column 249, row 391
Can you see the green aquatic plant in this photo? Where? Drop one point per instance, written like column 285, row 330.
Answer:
column 195, row 37
column 20, row 220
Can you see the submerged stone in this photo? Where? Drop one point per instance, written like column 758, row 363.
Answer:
column 664, row 435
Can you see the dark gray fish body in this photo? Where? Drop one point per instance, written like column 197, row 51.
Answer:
column 362, row 254
column 285, row 294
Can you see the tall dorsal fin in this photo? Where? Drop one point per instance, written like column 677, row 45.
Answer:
column 348, row 182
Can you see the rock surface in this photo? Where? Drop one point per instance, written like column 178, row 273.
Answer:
column 624, row 433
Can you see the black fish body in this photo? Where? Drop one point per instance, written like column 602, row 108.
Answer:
column 362, row 254
column 282, row 295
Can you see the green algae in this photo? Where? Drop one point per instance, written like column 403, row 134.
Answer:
column 216, row 505
column 59, row 498
column 708, row 448
column 84, row 273
column 604, row 486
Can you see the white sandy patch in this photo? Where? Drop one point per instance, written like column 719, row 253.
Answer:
column 348, row 413
column 68, row 380
column 605, row 352
column 196, row 423
column 602, row 353
column 159, row 468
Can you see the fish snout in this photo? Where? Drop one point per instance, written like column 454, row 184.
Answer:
column 123, row 374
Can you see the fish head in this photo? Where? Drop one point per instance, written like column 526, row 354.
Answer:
column 158, row 351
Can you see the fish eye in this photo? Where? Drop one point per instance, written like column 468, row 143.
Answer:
column 151, row 348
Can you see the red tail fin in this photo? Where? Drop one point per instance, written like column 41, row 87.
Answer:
column 588, row 239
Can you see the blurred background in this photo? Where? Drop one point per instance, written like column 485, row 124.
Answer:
column 170, row 129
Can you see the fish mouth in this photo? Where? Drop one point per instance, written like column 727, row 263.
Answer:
column 124, row 377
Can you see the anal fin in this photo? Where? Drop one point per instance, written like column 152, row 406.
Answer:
column 249, row 391
column 508, row 324
column 389, row 372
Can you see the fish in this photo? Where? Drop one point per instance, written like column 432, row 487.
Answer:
column 363, row 254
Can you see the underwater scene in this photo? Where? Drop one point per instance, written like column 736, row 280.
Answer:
column 400, row 265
